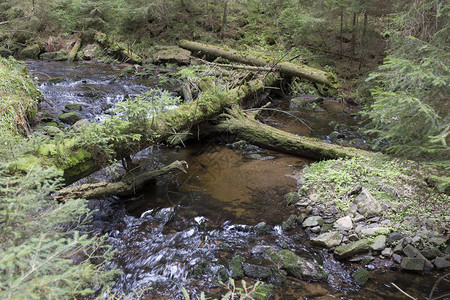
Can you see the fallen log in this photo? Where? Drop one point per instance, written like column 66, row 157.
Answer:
column 286, row 69
column 77, row 162
column 129, row 185
column 116, row 49
column 247, row 128
column 74, row 51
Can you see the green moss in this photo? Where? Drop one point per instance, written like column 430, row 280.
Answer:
column 56, row 80
column 264, row 292
column 25, row 164
column 361, row 276
column 235, row 267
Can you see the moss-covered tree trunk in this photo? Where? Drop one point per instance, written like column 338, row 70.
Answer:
column 254, row 132
column 286, row 68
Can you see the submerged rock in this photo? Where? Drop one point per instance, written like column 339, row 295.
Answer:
column 361, row 276
column 297, row 266
column 328, row 239
column 164, row 215
column 351, row 249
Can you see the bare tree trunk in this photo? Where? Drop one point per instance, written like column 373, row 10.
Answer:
column 353, row 41
column 224, row 19
column 341, row 31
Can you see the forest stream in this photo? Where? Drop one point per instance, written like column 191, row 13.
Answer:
column 184, row 230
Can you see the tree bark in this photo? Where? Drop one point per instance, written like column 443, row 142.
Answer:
column 128, row 186
column 224, row 19
column 254, row 132
column 287, row 69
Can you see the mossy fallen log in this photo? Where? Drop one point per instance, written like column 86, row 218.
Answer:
column 128, row 186
column 117, row 50
column 249, row 129
column 77, row 162
column 75, row 48
column 286, row 68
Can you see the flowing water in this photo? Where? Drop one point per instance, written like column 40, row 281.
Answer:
column 183, row 230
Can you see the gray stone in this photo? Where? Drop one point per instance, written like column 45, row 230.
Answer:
column 262, row 228
column 358, row 218
column 412, row 264
column 361, row 276
column 164, row 215
column 328, row 240
column 353, row 237
column 412, row 252
column 292, row 198
column 441, row 263
column 387, row 252
column 90, row 51
column 172, row 54
column 297, row 266
column 374, row 231
column 437, row 241
column 398, row 248
column 79, row 124
column 379, row 243
column 52, row 130
column 315, row 229
column 344, row 223
column 367, row 204
column 313, row 221
column 397, row 258
column 353, row 248
column 31, row 51
column 290, row 223
column 394, row 237
column 69, row 118
column 431, row 253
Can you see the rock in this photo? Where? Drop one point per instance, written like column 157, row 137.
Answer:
column 235, row 267
column 344, row 223
column 374, row 231
column 397, row 258
column 387, row 252
column 73, row 106
column 297, row 266
column 290, row 223
column 264, row 292
column 262, row 228
column 315, row 229
column 292, row 198
column 326, row 228
column 353, row 237
column 367, row 204
column 90, row 51
column 51, row 130
column 200, row 269
column 353, row 248
column 398, row 247
column 431, row 253
column 393, row 237
column 361, row 276
column 313, row 221
column 257, row 271
column 31, row 51
column 412, row 252
column 412, row 264
column 379, row 243
column 5, row 52
column 164, row 215
column 441, row 263
column 69, row 118
column 259, row 250
column 437, row 241
column 328, row 240
column 173, row 55
column 222, row 274
column 358, row 218
column 79, row 124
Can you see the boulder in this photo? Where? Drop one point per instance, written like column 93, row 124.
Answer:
column 313, row 221
column 31, row 51
column 173, row 55
column 411, row 252
column 262, row 228
column 297, row 266
column 367, row 204
column 344, row 223
column 379, row 243
column 393, row 237
column 361, row 276
column 397, row 258
column 387, row 252
column 291, row 222
column 90, row 51
column 292, row 198
column 441, row 263
column 73, row 106
column 351, row 249
column 328, row 239
column 69, row 118
column 412, row 264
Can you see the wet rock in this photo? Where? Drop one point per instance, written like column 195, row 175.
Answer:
column 259, row 250
column 379, row 243
column 297, row 266
column 411, row 252
column 164, row 215
column 292, row 198
column 313, row 221
column 344, row 223
column 257, row 271
column 431, row 253
column 235, row 267
column 69, row 118
column 387, row 252
column 73, row 106
column 328, row 240
column 441, row 263
column 351, row 249
column 367, row 260
column 412, row 264
column 290, row 223
column 374, row 231
column 200, row 269
column 262, row 228
column 90, row 51
column 367, row 204
column 79, row 124
column 397, row 258
column 31, row 51
column 264, row 292
column 393, row 237
column 361, row 276
column 222, row 274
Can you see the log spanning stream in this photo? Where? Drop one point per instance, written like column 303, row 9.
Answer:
column 184, row 230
